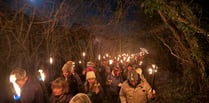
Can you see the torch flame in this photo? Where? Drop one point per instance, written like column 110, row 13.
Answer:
column 150, row 70
column 110, row 61
column 15, row 85
column 118, row 58
column 42, row 74
column 50, row 60
column 84, row 54
column 153, row 66
column 99, row 57
column 128, row 59
column 121, row 61
column 107, row 55
column 140, row 62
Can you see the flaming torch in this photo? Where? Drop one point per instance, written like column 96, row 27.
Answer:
column 84, row 54
column 110, row 61
column 99, row 57
column 79, row 62
column 16, row 87
column 107, row 55
column 128, row 59
column 42, row 75
column 83, row 60
column 50, row 60
column 152, row 70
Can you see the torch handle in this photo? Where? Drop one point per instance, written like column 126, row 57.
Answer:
column 153, row 81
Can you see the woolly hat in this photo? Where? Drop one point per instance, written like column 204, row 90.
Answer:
column 67, row 66
column 132, row 75
column 90, row 64
column 90, row 74
column 80, row 98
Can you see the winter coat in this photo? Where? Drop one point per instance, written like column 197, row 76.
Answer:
column 129, row 94
column 95, row 98
column 75, row 84
column 32, row 92
column 114, row 87
column 64, row 98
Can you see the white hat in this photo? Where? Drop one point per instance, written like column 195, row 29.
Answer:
column 67, row 66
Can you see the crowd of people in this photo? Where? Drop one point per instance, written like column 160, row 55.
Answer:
column 98, row 83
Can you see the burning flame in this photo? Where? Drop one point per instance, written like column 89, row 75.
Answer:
column 107, row 55
column 42, row 74
column 50, row 60
column 140, row 62
column 15, row 85
column 153, row 69
column 150, row 70
column 84, row 54
column 153, row 66
column 99, row 57
column 121, row 61
column 128, row 59
column 110, row 62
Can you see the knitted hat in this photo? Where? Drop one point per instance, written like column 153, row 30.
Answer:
column 132, row 75
column 67, row 66
column 90, row 74
column 80, row 98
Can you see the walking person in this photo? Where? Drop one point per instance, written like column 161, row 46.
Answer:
column 135, row 91
column 72, row 78
column 60, row 91
column 93, row 88
column 31, row 91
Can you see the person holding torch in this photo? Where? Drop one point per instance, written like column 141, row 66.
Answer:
column 135, row 90
column 72, row 78
column 93, row 88
column 29, row 90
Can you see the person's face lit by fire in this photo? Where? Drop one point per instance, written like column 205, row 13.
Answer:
column 57, row 91
column 116, row 71
column 129, row 68
column 21, row 82
column 133, row 82
column 91, row 80
column 59, row 86
column 65, row 73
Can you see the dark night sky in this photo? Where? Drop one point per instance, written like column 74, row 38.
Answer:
column 85, row 12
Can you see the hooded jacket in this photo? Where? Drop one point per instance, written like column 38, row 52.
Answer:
column 129, row 94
